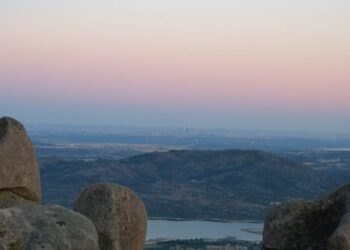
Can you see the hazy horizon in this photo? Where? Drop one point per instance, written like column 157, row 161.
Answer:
column 252, row 65
column 42, row 128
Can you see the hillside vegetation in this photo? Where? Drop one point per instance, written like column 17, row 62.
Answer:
column 192, row 184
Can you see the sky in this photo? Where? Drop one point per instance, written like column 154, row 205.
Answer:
column 242, row 64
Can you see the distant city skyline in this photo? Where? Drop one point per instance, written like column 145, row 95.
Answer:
column 255, row 65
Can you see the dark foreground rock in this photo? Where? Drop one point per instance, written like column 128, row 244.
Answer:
column 311, row 225
column 34, row 227
column 19, row 171
column 118, row 214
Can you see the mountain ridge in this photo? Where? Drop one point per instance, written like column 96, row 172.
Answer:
column 194, row 184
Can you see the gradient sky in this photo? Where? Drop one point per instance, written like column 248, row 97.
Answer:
column 251, row 64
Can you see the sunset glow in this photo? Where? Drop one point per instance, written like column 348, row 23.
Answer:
column 244, row 64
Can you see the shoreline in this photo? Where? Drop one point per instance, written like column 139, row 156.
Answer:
column 205, row 219
column 151, row 242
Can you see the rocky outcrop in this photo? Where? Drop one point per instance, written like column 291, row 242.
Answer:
column 34, row 227
column 118, row 214
column 320, row 224
column 19, row 171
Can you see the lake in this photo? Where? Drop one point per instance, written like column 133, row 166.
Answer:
column 164, row 229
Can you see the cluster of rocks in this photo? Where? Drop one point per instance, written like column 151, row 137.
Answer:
column 106, row 216
column 321, row 224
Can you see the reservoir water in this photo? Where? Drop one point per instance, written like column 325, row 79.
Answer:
column 163, row 229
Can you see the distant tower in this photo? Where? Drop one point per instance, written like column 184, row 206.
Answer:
column 186, row 130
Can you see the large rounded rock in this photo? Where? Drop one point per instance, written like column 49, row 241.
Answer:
column 320, row 224
column 46, row 227
column 19, row 171
column 119, row 216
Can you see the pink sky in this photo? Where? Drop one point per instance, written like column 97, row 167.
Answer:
column 273, row 58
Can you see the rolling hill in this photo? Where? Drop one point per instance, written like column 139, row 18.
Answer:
column 191, row 184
